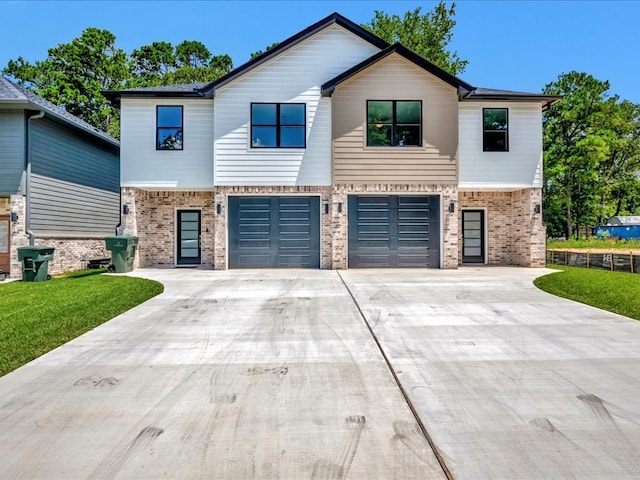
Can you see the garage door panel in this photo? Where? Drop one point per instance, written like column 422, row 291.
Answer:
column 373, row 228
column 295, row 243
column 271, row 232
column 295, row 229
column 253, row 261
column 253, row 243
column 394, row 231
column 373, row 261
column 413, row 244
column 296, row 261
column 412, row 260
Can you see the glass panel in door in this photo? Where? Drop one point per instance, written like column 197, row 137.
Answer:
column 473, row 236
column 189, row 252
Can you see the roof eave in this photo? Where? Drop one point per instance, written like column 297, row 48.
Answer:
column 115, row 96
column 546, row 100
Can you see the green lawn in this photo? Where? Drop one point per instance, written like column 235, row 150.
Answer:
column 617, row 292
column 36, row 317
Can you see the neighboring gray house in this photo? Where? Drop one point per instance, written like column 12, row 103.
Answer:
column 59, row 181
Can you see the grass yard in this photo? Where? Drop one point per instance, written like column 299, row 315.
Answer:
column 36, row 317
column 594, row 243
column 616, row 292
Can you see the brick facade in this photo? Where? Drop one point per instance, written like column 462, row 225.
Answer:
column 152, row 218
column 516, row 234
column 71, row 253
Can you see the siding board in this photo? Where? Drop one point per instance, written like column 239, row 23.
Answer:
column 62, row 154
column 395, row 78
column 12, row 151
column 64, row 208
column 144, row 166
column 293, row 76
column 520, row 167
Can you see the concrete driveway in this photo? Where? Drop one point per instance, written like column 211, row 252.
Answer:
column 276, row 374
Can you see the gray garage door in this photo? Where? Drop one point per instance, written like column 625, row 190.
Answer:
column 394, row 231
column 272, row 232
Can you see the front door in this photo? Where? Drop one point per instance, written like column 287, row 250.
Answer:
column 5, row 242
column 473, row 236
column 189, row 252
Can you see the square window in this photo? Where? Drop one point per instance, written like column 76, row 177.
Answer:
column 495, row 129
column 169, row 120
column 278, row 125
column 263, row 137
column 379, row 135
column 263, row 114
column 396, row 123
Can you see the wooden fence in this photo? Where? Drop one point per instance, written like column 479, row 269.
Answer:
column 614, row 261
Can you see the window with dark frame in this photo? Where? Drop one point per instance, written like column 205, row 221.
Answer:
column 394, row 123
column 278, row 125
column 169, row 121
column 495, row 129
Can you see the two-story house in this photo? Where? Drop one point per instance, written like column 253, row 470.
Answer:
column 59, row 182
column 333, row 150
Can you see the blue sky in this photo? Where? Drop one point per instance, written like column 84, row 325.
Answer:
column 514, row 45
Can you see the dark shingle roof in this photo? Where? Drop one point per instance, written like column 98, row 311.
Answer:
column 12, row 93
column 180, row 90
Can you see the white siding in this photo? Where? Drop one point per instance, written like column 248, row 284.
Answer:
column 520, row 167
column 292, row 76
column 144, row 166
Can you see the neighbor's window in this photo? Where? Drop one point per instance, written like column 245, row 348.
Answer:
column 395, row 123
column 495, row 130
column 278, row 125
column 169, row 127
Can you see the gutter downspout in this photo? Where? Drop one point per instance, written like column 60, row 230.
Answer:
column 27, row 220
column 117, row 227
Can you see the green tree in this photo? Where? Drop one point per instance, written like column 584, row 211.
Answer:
column 189, row 61
column 618, row 178
column 151, row 63
column 592, row 154
column 73, row 74
column 429, row 34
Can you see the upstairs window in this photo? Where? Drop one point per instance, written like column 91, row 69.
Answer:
column 394, row 123
column 169, row 127
column 278, row 125
column 495, row 130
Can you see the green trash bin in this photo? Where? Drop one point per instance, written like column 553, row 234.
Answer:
column 123, row 251
column 35, row 262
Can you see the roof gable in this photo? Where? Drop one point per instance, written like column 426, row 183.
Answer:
column 329, row 86
column 334, row 18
